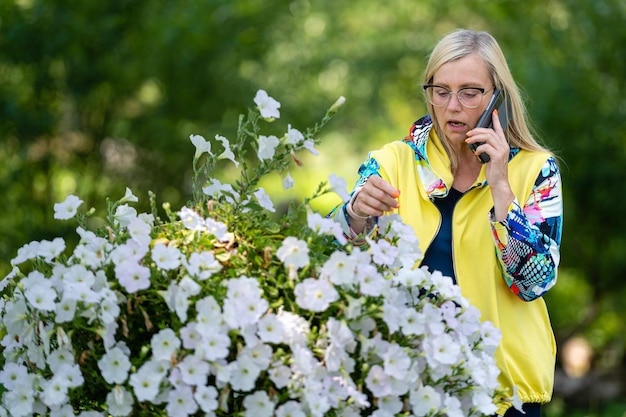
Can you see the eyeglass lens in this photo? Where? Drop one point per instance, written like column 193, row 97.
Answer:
column 469, row 97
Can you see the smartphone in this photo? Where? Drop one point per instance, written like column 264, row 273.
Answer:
column 503, row 104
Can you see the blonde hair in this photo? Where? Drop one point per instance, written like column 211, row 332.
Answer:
column 461, row 43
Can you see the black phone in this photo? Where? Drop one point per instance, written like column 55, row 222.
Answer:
column 503, row 104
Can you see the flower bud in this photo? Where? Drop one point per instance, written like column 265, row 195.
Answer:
column 337, row 104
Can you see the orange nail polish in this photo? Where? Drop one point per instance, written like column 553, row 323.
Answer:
column 396, row 194
column 496, row 111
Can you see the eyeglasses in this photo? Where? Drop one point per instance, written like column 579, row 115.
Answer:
column 470, row 97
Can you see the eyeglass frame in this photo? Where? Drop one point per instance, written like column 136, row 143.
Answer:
column 482, row 92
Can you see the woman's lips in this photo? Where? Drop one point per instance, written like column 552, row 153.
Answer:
column 457, row 126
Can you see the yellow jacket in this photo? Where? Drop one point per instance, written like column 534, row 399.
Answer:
column 502, row 268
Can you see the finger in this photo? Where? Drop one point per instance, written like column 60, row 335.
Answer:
column 370, row 204
column 384, row 186
column 375, row 198
column 497, row 126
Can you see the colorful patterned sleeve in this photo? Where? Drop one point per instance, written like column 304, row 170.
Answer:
column 528, row 241
column 367, row 169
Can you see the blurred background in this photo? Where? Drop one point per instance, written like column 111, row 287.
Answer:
column 101, row 95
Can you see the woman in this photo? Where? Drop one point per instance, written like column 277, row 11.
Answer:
column 494, row 227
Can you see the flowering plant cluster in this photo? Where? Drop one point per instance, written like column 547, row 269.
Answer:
column 224, row 308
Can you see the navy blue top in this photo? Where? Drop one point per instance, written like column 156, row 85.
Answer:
column 438, row 256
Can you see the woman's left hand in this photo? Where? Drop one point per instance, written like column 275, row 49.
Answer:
column 497, row 169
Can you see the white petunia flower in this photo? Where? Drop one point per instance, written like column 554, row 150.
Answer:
column 92, row 250
column 19, row 401
column 244, row 310
column 270, row 329
column 267, row 147
column 164, row 344
column 425, row 399
column 191, row 220
column 59, row 357
column 325, row 226
column 202, row 265
column 434, row 319
column 146, row 381
column 243, row 373
column 41, row 296
column 49, row 250
column 201, row 144
column 390, row 404
column 280, row 376
column 315, row 294
column 133, row 276
column 258, row 404
column 70, row 375
column 180, row 294
column 412, row 322
column 166, row 257
column 119, row 402
column 304, row 361
column 483, row 403
column 378, row 382
column 129, row 197
column 206, row 397
column 293, row 251
column 190, row 336
column 288, row 182
column 114, row 366
column 216, row 189
column 26, row 252
column 268, row 107
column 453, row 407
column 309, row 145
column 294, row 136
column 335, row 357
column 491, row 335
column 371, row 282
column 340, row 269
column 124, row 214
column 193, row 370
column 396, row 361
column 228, row 153
column 260, row 354
column 442, row 349
column 209, row 315
column 340, row 334
column 12, row 375
column 264, row 200
column 517, row 401
column 296, row 327
column 180, row 402
column 383, row 252
column 140, row 231
column 290, row 409
column 68, row 208
column 339, row 186
column 215, row 345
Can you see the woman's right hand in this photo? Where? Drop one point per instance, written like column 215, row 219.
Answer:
column 375, row 198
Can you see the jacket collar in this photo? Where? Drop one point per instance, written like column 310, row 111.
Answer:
column 418, row 136
column 436, row 177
